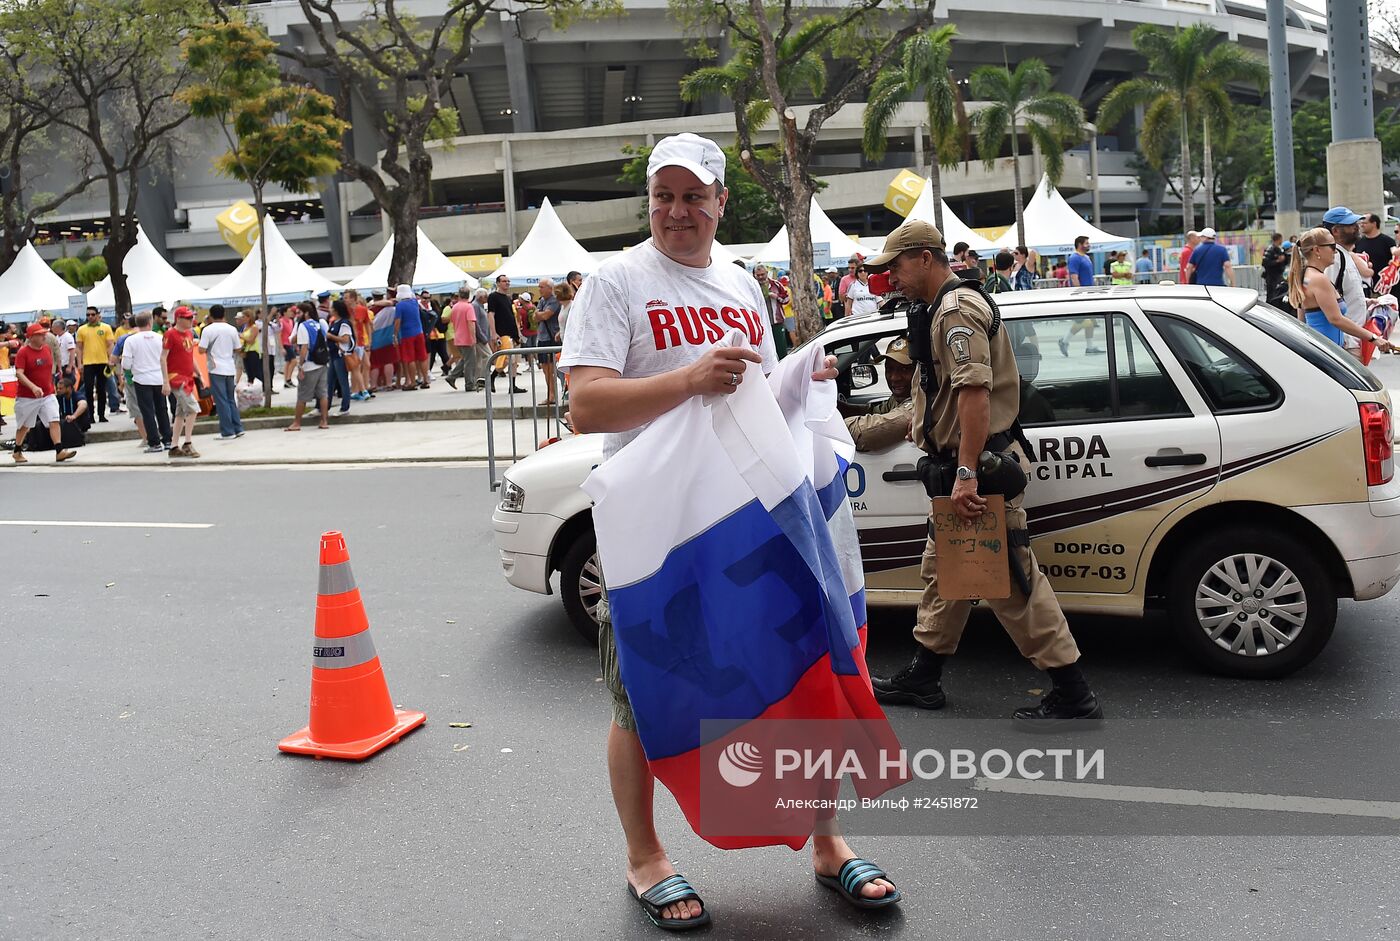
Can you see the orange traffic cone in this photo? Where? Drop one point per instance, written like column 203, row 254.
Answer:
column 352, row 715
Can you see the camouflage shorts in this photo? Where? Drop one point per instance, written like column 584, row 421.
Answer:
column 612, row 677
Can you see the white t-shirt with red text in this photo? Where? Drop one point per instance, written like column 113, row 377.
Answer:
column 643, row 314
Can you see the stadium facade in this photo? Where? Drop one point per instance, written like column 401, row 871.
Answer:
column 547, row 113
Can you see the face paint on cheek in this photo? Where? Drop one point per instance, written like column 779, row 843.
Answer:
column 705, row 212
column 656, row 209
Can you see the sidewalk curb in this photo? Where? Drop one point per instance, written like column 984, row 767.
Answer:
column 209, row 425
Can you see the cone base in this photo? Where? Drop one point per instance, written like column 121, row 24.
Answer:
column 301, row 743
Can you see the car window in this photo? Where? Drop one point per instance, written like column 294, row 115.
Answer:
column 1072, row 372
column 1143, row 389
column 1227, row 380
column 861, row 378
column 1313, row 347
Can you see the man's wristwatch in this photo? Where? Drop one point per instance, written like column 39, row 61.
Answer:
column 966, row 473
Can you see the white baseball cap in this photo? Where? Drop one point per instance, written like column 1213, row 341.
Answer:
column 1207, row 233
column 403, row 292
column 700, row 155
column 526, row 297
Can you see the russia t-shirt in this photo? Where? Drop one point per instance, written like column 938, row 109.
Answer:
column 643, row 314
column 410, row 318
column 1082, row 269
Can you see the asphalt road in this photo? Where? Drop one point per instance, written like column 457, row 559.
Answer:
column 146, row 675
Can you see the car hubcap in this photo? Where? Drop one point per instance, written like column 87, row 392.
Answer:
column 1250, row 604
column 590, row 586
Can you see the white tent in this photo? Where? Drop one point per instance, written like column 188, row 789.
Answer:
column 719, row 255
column 288, row 277
column 839, row 246
column 434, row 271
column 1052, row 225
column 29, row 286
column 549, row 251
column 954, row 229
column 150, row 278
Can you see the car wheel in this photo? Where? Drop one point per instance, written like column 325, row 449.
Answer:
column 581, row 585
column 1251, row 603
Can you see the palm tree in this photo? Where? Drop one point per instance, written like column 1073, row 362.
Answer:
column 81, row 271
column 921, row 71
column 1187, row 71
column 1021, row 98
column 808, row 71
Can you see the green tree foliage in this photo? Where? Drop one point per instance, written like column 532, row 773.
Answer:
column 277, row 132
column 1021, row 98
column 777, row 50
column 399, row 67
column 113, row 58
column 753, row 215
column 921, row 73
column 82, row 270
column 1188, row 71
column 24, row 138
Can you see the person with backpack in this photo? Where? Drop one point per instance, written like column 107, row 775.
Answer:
column 1210, row 263
column 1349, row 274
column 313, row 354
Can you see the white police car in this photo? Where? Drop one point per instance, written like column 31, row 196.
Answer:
column 1213, row 457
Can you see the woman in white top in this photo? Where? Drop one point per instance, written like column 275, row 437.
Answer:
column 859, row 300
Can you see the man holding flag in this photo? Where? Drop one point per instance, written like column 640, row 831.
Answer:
column 644, row 339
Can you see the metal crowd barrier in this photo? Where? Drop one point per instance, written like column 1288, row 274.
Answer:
column 553, row 420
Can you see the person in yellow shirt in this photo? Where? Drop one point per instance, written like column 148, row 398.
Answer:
column 96, row 340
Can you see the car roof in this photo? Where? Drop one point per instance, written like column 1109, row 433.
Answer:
column 1024, row 303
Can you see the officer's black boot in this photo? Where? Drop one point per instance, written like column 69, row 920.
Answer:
column 918, row 684
column 1069, row 699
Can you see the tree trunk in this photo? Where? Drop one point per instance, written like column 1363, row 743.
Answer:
column 935, row 192
column 797, row 215
column 1016, row 184
column 121, row 239
column 266, row 313
column 1188, row 204
column 403, row 222
column 1208, row 175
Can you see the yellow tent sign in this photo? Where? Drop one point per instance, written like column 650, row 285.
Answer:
column 904, row 192
column 238, row 224
column 476, row 264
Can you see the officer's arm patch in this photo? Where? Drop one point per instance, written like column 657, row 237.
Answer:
column 957, row 338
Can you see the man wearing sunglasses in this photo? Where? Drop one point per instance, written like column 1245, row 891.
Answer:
column 1348, row 273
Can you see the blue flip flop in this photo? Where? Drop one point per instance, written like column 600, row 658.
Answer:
column 668, row 891
column 854, row 874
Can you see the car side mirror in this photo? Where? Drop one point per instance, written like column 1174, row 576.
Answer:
column 863, row 376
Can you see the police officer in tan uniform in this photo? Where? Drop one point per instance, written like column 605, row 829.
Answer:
column 886, row 423
column 970, row 405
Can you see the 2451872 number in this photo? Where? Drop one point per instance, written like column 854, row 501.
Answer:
column 1110, row 573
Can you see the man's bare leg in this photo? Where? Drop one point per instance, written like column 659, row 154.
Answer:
column 830, row 852
column 632, row 788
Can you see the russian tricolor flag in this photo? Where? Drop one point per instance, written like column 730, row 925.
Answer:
column 738, row 601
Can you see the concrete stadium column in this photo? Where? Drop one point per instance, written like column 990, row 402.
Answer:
column 522, row 95
column 1354, row 156
column 1281, row 105
column 508, row 173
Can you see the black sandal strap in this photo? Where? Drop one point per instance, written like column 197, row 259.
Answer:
column 672, row 889
column 856, row 873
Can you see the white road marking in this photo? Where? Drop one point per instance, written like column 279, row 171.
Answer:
column 1231, row 800
column 108, row 524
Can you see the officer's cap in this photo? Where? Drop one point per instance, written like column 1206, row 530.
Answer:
column 913, row 233
column 898, row 350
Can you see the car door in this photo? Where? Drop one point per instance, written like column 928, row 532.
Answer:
column 1122, row 439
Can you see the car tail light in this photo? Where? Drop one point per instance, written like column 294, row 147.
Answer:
column 1376, row 442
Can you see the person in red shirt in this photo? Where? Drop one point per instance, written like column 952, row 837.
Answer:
column 177, row 363
column 1192, row 239
column 35, row 402
column 289, row 350
column 362, row 321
